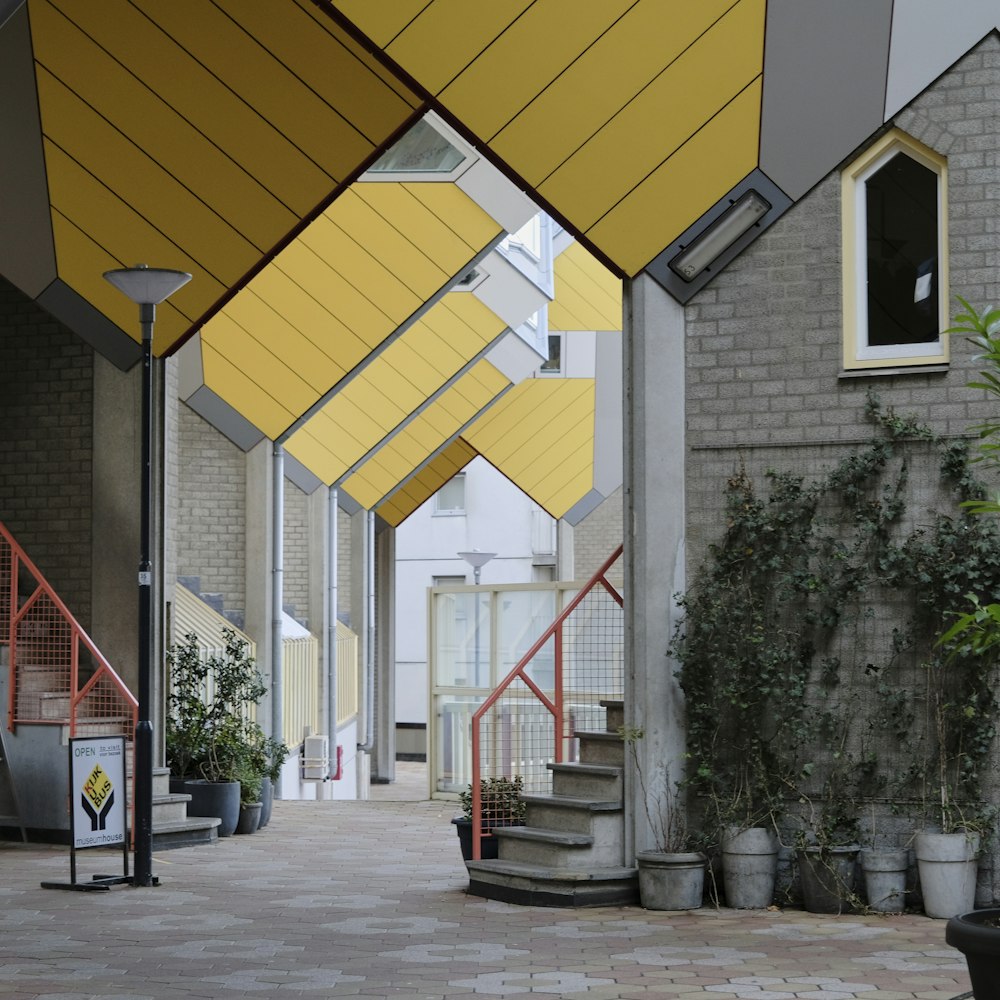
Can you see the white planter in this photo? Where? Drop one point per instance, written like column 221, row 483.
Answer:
column 885, row 879
column 749, row 867
column 671, row 881
column 947, row 863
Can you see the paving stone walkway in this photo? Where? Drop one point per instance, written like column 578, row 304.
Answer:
column 367, row 899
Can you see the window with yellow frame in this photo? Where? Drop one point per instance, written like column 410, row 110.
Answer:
column 894, row 204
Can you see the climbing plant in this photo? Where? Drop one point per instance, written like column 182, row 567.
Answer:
column 807, row 647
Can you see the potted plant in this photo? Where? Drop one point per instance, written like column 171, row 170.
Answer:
column 671, row 873
column 210, row 734
column 500, row 805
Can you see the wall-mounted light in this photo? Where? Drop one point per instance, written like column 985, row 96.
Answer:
column 694, row 257
column 743, row 214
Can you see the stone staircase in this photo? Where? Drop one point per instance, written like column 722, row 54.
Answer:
column 571, row 850
column 172, row 827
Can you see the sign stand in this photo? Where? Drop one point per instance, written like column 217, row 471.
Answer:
column 97, row 817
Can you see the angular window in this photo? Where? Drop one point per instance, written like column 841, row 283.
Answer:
column 895, row 256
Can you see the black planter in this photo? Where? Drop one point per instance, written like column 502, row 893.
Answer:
column 216, row 798
column 981, row 946
column 490, row 845
column 249, row 821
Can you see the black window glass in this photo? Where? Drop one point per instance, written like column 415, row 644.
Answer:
column 902, row 253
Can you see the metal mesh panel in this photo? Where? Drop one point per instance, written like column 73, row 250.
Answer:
column 516, row 734
column 516, row 739
column 6, row 572
column 103, row 710
column 43, row 643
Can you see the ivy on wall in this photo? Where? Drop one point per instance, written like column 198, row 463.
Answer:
column 813, row 679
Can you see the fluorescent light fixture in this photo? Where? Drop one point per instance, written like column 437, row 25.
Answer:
column 742, row 215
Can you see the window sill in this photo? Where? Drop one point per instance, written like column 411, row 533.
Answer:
column 898, row 370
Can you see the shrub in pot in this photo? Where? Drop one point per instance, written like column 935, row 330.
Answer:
column 500, row 804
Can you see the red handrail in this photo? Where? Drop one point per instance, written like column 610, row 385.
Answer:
column 553, row 706
column 43, row 634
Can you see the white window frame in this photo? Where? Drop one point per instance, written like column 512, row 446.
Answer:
column 857, row 352
column 451, row 511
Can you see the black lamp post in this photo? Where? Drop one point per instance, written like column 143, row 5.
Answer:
column 146, row 286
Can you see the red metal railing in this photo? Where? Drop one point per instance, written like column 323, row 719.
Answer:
column 58, row 676
column 555, row 690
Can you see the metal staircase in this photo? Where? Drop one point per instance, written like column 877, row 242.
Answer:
column 58, row 685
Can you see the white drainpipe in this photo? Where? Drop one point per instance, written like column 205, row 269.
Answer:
column 331, row 632
column 277, row 584
column 369, row 714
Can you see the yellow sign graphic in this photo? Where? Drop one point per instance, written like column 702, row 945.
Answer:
column 98, row 796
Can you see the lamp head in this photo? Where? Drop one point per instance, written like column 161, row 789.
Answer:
column 147, row 285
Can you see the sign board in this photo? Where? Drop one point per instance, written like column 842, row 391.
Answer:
column 97, row 791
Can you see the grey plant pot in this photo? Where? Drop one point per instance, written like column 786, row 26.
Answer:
column 671, row 881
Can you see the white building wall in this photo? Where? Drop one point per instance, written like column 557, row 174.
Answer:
column 498, row 518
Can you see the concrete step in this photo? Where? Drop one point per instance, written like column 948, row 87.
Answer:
column 587, row 781
column 615, row 714
column 561, row 812
column 601, row 748
column 557, row 848
column 189, row 832
column 540, row 885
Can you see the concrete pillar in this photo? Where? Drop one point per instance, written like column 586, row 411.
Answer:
column 653, row 344
column 565, row 552
column 259, row 561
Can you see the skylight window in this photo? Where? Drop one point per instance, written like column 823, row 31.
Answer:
column 423, row 150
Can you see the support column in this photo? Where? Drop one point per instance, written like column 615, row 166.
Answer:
column 361, row 623
column 653, row 344
column 385, row 656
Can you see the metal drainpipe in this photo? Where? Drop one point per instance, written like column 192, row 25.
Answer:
column 331, row 632
column 277, row 584
column 369, row 714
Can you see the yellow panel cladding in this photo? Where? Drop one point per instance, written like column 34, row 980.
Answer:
column 651, row 34
column 444, row 37
column 426, row 483
column 541, row 436
column 662, row 119
column 154, row 127
column 82, row 262
column 329, row 62
column 279, row 378
column 158, row 63
column 708, row 166
column 456, row 210
column 267, row 85
column 382, row 22
column 359, row 266
column 527, row 57
column 101, row 151
column 587, row 295
column 243, row 395
column 427, row 432
column 392, row 224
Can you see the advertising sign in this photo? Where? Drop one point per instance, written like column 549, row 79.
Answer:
column 97, row 791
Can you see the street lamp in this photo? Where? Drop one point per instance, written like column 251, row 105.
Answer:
column 477, row 560
column 147, row 287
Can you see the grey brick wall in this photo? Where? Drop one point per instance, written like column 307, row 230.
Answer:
column 211, row 509
column 764, row 381
column 296, row 552
column 46, row 440
column 597, row 536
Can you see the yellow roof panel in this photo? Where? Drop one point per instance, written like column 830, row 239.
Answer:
column 199, row 135
column 422, row 486
column 427, row 432
column 658, row 122
column 705, row 168
column 587, row 295
column 586, row 96
column 371, row 406
column 541, row 436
